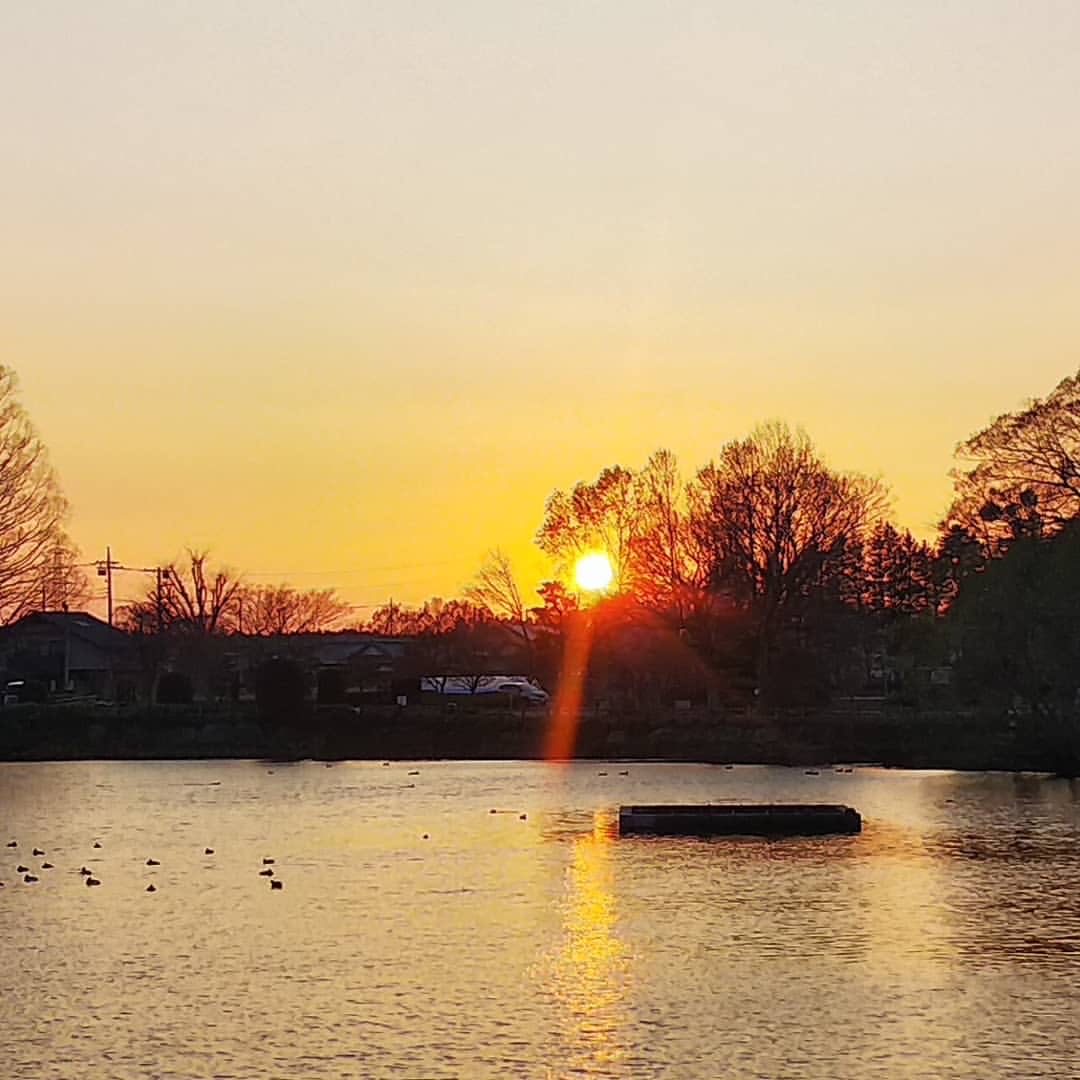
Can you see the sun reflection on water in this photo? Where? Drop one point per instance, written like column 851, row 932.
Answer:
column 588, row 975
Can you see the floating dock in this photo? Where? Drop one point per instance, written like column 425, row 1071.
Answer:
column 740, row 819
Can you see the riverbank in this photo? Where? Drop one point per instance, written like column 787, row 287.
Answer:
column 891, row 736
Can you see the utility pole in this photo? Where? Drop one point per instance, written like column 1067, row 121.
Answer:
column 108, row 569
column 105, row 569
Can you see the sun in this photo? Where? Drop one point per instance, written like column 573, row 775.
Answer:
column 593, row 572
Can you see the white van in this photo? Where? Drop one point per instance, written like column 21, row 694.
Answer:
column 519, row 686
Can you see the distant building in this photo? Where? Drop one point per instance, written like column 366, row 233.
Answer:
column 69, row 652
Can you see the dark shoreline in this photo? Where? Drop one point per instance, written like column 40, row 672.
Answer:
column 891, row 736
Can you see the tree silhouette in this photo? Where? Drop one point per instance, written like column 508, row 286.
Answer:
column 268, row 610
column 776, row 524
column 601, row 516
column 495, row 588
column 1020, row 475
column 37, row 561
column 194, row 600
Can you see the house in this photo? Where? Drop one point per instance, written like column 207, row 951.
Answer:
column 368, row 665
column 70, row 652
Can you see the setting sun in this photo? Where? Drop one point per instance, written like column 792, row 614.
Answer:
column 593, row 572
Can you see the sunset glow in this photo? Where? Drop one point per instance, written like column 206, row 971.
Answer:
column 292, row 289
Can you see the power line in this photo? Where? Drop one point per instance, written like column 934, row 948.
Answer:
column 354, row 570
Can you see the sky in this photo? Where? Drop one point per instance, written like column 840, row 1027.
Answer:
column 343, row 291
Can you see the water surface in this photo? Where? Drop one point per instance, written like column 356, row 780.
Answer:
column 418, row 934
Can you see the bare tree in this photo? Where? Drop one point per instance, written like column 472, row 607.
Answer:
column 32, row 509
column 601, row 516
column 1021, row 473
column 774, row 520
column 193, row 599
column 280, row 609
column 669, row 569
column 495, row 588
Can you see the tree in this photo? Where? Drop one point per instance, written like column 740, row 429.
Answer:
column 279, row 609
column 601, row 516
column 281, row 688
column 496, row 589
column 32, row 515
column 1021, row 474
column 194, row 600
column 559, row 604
column 434, row 616
column 1015, row 629
column 899, row 573
column 775, row 524
column 668, row 567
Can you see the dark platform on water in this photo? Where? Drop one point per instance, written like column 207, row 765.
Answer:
column 740, row 819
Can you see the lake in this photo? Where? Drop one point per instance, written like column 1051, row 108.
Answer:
column 418, row 934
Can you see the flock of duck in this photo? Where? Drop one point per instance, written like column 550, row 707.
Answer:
column 29, row 877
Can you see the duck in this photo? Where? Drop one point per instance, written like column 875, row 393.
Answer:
column 84, row 871
column 46, row 866
column 37, row 851
column 29, row 879
column 523, row 817
column 268, row 862
column 276, row 885
column 13, row 843
column 208, row 851
column 152, row 862
column 266, row 873
column 426, row 836
column 92, row 881
column 151, row 888
column 414, row 772
column 96, row 844
column 20, row 869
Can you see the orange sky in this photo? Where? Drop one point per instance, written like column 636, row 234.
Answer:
column 343, row 291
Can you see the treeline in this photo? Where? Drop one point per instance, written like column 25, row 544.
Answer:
column 765, row 575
